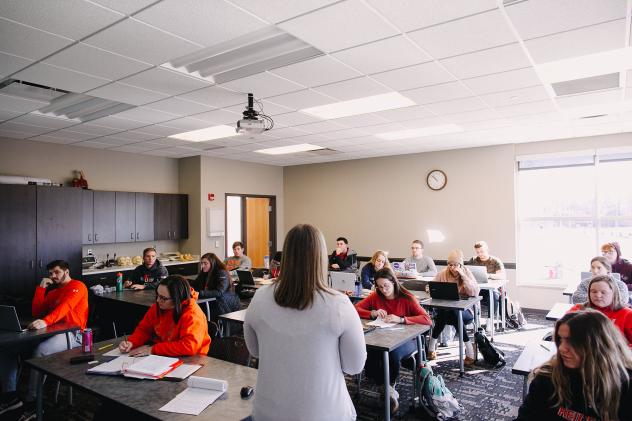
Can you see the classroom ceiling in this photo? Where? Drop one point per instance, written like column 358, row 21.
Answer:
column 494, row 72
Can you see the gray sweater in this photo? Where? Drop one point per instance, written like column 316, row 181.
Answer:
column 425, row 265
column 581, row 293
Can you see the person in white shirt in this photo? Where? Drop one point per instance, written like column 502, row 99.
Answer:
column 306, row 337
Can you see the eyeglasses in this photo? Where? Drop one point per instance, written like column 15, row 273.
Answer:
column 384, row 286
column 162, row 298
column 603, row 253
column 454, row 264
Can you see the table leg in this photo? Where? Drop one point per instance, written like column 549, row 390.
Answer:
column 570, row 299
column 67, row 340
column 524, row 387
column 387, row 390
column 503, row 306
column 492, row 313
column 461, row 345
column 226, row 328
column 38, row 397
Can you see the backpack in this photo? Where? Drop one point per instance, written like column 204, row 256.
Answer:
column 514, row 317
column 435, row 398
column 492, row 355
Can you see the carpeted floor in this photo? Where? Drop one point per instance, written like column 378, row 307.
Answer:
column 485, row 394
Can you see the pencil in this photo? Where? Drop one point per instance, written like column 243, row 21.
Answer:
column 105, row 347
column 545, row 347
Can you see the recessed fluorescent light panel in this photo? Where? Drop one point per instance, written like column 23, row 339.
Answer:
column 249, row 54
column 80, row 107
column 369, row 104
column 602, row 63
column 421, row 132
column 209, row 133
column 282, row 150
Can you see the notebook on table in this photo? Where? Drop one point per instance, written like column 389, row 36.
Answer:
column 445, row 291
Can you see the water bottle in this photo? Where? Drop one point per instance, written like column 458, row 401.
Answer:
column 266, row 262
column 86, row 340
column 358, row 289
column 119, row 282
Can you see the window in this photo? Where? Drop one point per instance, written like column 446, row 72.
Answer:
column 567, row 208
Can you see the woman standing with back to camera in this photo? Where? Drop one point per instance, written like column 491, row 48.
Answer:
column 588, row 379
column 306, row 337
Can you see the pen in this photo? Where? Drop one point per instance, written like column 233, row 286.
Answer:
column 545, row 347
column 394, row 328
column 105, row 347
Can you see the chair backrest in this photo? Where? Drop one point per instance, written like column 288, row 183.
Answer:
column 232, row 349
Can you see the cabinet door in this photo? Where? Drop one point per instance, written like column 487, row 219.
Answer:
column 179, row 216
column 87, row 216
column 125, row 217
column 17, row 244
column 58, row 228
column 144, row 217
column 162, row 217
column 104, row 217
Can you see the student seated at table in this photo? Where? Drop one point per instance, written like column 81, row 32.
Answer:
column 495, row 270
column 392, row 303
column 377, row 262
column 174, row 326
column 424, row 265
column 599, row 266
column 620, row 265
column 213, row 281
column 306, row 337
column 58, row 298
column 603, row 295
column 588, row 378
column 238, row 261
column 149, row 274
column 463, row 277
column 343, row 258
column 275, row 264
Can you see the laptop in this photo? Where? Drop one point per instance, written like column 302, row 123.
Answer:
column 479, row 272
column 589, row 275
column 415, row 285
column 9, row 319
column 445, row 291
column 245, row 278
column 343, row 281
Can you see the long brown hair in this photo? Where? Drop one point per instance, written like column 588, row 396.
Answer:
column 605, row 361
column 377, row 254
column 304, row 265
column 398, row 289
column 211, row 279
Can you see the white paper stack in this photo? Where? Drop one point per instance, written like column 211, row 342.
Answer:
column 200, row 393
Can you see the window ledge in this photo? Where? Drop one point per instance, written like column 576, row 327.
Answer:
column 543, row 284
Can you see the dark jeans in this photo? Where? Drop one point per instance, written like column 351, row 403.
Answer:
column 374, row 366
column 485, row 301
column 451, row 317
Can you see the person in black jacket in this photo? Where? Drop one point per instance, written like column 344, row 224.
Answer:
column 213, row 281
column 149, row 274
column 588, row 379
column 343, row 258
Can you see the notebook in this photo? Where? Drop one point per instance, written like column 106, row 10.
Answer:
column 9, row 319
column 445, row 291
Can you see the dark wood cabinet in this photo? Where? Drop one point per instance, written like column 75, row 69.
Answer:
column 179, row 216
column 104, row 217
column 144, row 216
column 162, row 216
column 87, row 216
column 125, row 217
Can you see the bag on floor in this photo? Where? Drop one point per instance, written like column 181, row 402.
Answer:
column 492, row 355
column 435, row 398
column 514, row 317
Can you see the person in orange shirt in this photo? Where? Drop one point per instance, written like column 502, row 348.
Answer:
column 174, row 326
column 58, row 298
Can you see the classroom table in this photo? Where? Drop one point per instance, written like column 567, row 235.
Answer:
column 132, row 393
column 569, row 291
column 558, row 311
column 460, row 305
column 14, row 339
column 491, row 286
column 386, row 340
column 533, row 355
column 232, row 317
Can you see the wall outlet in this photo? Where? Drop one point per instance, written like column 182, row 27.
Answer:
column 216, row 244
column 89, row 252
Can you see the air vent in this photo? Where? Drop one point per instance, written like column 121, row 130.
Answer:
column 588, row 84
column 324, row 151
column 594, row 116
column 82, row 107
column 29, row 90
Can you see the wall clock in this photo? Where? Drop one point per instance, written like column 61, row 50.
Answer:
column 436, row 180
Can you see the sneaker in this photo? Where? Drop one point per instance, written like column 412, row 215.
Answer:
column 468, row 361
column 394, row 399
column 432, row 355
column 10, row 405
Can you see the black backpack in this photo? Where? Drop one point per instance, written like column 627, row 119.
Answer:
column 492, row 355
column 514, row 317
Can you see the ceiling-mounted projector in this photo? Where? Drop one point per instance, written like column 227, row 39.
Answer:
column 254, row 122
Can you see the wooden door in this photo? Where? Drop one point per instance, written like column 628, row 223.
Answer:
column 104, row 217
column 257, row 229
column 144, row 216
column 125, row 217
column 87, row 216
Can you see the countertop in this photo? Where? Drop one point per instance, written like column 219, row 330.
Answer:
column 124, row 268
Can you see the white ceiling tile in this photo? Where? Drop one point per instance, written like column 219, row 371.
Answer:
column 317, row 71
column 407, row 113
column 24, row 41
column 275, row 11
column 78, row 19
column 362, row 120
column 494, row 60
column 423, row 122
column 380, row 56
column 166, row 81
column 127, row 94
column 113, row 140
column 53, row 138
column 343, row 25
column 536, row 107
column 414, row 14
column 417, row 76
column 471, row 33
column 43, row 121
column 353, row 89
column 127, row 7
column 579, row 42
column 158, row 130
column 93, row 144
column 133, row 148
column 504, row 81
column 178, row 106
column 56, row 77
column 269, row 108
column 187, row 124
column 286, row 132
column 24, row 129
column 301, row 99
column 479, row 125
column 383, row 128
column 263, row 85
column 216, row 96
column 19, row 105
column 320, row 127
column 146, row 115
column 139, row 41
column 436, row 93
column 456, row 106
column 11, row 64
column 13, row 134
column 516, row 96
column 561, row 15
column 136, row 135
column 71, row 135
column 95, row 61
column 293, row 119
column 6, row 114
column 206, row 22
column 343, row 134
column 470, row 116
column 94, row 129
column 115, row 122
column 218, row 117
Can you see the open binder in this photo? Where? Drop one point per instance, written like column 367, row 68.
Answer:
column 150, row 367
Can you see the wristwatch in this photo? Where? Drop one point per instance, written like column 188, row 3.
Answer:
column 402, row 320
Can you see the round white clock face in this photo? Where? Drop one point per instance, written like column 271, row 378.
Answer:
column 436, row 179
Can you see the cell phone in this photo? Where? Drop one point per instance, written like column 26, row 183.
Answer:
column 82, row 359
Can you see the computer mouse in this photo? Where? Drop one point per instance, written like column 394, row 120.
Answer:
column 246, row 392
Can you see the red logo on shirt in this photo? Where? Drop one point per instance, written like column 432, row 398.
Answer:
column 570, row 415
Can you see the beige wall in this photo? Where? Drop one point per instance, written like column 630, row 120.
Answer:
column 190, row 183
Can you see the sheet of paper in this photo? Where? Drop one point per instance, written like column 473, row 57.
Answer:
column 115, row 366
column 381, row 323
column 183, row 371
column 113, row 353
column 202, row 392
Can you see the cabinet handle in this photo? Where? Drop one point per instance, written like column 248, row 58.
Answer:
column 131, row 235
column 137, row 236
column 169, row 234
column 40, row 263
column 32, row 264
column 89, row 238
column 96, row 237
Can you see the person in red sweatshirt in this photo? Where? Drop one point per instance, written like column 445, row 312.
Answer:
column 174, row 326
column 392, row 303
column 58, row 298
column 603, row 295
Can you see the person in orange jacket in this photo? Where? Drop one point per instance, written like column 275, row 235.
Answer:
column 175, row 324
